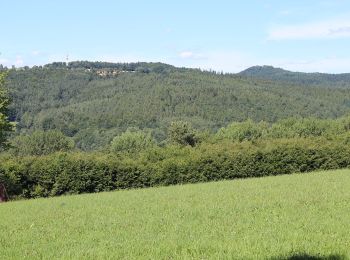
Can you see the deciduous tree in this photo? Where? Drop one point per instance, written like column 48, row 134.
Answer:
column 5, row 125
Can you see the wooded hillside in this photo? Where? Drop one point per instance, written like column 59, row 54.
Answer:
column 93, row 101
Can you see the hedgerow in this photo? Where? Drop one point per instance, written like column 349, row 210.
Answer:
column 78, row 172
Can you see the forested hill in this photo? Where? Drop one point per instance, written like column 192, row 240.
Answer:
column 93, row 102
column 301, row 78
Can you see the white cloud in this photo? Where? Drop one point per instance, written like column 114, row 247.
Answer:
column 191, row 55
column 330, row 29
column 123, row 58
column 35, row 53
column 285, row 12
column 4, row 61
column 332, row 3
column 227, row 61
column 186, row 54
column 19, row 61
column 218, row 60
column 325, row 65
column 234, row 61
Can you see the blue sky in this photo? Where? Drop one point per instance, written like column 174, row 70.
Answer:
column 299, row 35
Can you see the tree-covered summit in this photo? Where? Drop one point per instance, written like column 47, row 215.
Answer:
column 122, row 66
column 277, row 74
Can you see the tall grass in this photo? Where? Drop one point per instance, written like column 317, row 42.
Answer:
column 266, row 218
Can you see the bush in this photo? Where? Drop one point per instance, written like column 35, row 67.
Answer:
column 41, row 143
column 73, row 173
column 242, row 131
column 132, row 141
column 182, row 133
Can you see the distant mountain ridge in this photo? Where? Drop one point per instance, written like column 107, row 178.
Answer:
column 267, row 72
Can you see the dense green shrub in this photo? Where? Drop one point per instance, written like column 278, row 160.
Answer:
column 240, row 131
column 285, row 128
column 132, row 141
column 73, row 173
column 182, row 133
column 41, row 143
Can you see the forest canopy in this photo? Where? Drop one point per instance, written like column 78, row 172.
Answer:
column 92, row 102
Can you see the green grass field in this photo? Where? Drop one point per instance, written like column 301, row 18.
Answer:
column 280, row 217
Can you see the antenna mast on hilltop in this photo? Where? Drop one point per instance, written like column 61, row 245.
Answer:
column 67, row 59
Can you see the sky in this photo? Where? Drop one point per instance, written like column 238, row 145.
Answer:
column 229, row 36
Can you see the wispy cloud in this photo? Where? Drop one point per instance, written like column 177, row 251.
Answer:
column 326, row 65
column 338, row 28
column 285, row 12
column 236, row 61
column 332, row 3
column 123, row 58
column 168, row 30
column 16, row 61
column 219, row 60
column 190, row 55
column 186, row 54
column 19, row 61
column 36, row 52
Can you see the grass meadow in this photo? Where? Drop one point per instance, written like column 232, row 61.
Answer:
column 298, row 216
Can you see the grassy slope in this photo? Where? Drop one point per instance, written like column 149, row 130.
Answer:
column 245, row 219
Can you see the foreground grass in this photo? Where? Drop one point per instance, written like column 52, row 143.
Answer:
column 267, row 218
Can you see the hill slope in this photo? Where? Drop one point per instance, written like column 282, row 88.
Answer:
column 93, row 102
column 266, row 218
column 301, row 78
